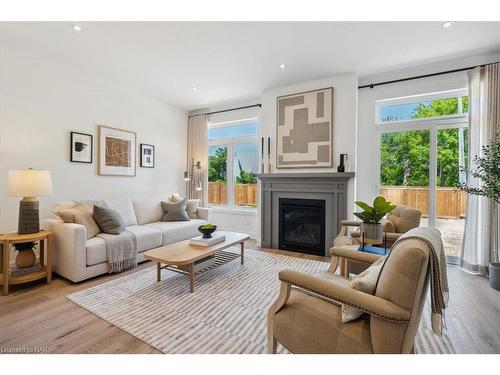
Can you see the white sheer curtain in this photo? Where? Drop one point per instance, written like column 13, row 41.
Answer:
column 197, row 150
column 482, row 226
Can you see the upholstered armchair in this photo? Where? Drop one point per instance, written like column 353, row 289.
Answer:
column 398, row 221
column 306, row 317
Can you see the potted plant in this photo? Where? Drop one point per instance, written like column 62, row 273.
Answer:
column 488, row 171
column 371, row 227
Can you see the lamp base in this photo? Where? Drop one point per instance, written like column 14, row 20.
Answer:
column 29, row 216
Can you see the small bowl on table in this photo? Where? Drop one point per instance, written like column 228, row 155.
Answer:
column 207, row 232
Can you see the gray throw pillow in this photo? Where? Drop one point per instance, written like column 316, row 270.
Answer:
column 109, row 220
column 175, row 211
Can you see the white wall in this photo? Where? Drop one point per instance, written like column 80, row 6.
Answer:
column 43, row 98
column 368, row 136
column 344, row 122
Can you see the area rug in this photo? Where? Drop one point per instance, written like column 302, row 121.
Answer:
column 225, row 314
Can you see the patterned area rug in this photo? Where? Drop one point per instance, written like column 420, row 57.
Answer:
column 226, row 314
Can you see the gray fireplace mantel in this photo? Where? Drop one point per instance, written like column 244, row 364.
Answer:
column 330, row 187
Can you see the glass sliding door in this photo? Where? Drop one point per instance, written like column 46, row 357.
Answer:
column 404, row 168
column 421, row 169
column 451, row 204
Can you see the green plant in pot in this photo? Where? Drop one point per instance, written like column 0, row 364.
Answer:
column 487, row 170
column 26, row 256
column 371, row 227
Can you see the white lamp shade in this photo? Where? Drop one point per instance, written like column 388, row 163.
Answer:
column 29, row 183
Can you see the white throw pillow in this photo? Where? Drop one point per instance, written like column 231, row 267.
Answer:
column 365, row 282
column 175, row 197
column 148, row 211
column 125, row 209
column 192, row 208
column 62, row 206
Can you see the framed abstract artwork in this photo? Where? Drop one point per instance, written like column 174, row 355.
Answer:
column 117, row 152
column 81, row 147
column 147, row 155
column 304, row 129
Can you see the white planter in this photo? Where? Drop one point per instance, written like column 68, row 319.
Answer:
column 373, row 232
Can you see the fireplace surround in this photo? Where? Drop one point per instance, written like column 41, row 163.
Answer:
column 330, row 188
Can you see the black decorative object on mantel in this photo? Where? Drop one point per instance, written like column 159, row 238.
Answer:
column 343, row 159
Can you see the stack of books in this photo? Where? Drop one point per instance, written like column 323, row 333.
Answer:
column 200, row 241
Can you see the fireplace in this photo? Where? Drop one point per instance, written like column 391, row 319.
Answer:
column 302, row 225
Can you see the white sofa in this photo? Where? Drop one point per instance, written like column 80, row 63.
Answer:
column 77, row 258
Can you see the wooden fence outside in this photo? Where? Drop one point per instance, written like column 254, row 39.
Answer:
column 449, row 202
column 244, row 194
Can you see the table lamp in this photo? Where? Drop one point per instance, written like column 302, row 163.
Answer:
column 29, row 184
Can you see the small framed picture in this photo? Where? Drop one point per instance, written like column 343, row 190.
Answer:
column 81, row 147
column 147, row 156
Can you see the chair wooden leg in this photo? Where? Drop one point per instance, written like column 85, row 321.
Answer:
column 272, row 344
column 275, row 307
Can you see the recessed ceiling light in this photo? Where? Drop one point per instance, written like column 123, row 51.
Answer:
column 447, row 24
column 77, row 28
column 282, row 66
column 194, row 88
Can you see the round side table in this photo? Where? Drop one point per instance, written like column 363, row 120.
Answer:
column 44, row 239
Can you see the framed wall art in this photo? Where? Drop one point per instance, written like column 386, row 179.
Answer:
column 147, row 155
column 117, row 152
column 81, row 147
column 304, row 129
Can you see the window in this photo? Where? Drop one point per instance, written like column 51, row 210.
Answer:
column 430, row 106
column 233, row 161
column 423, row 149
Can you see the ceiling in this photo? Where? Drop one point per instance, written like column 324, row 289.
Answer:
column 229, row 61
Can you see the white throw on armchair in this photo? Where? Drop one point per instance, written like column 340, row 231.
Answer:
column 78, row 259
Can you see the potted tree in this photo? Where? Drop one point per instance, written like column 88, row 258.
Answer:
column 488, row 171
column 371, row 227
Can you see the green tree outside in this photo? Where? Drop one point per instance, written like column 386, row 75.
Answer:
column 217, row 166
column 405, row 155
column 217, row 169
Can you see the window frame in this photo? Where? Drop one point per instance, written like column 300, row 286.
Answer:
column 448, row 94
column 230, row 143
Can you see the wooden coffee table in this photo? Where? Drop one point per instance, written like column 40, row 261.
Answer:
column 181, row 256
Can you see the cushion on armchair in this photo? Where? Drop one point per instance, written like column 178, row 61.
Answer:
column 365, row 282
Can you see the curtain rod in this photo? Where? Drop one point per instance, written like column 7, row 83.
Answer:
column 372, row 85
column 227, row 110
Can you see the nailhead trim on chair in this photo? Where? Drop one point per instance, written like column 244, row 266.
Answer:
column 347, row 303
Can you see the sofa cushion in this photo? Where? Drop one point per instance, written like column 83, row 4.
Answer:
column 80, row 214
column 148, row 211
column 173, row 231
column 96, row 251
column 192, row 208
column 110, row 221
column 125, row 209
column 147, row 237
column 175, row 211
column 64, row 205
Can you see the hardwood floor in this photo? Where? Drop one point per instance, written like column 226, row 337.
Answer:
column 39, row 316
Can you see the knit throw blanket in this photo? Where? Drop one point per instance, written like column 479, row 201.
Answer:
column 121, row 251
column 438, row 273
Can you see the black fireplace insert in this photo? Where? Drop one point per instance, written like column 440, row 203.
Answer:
column 302, row 225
